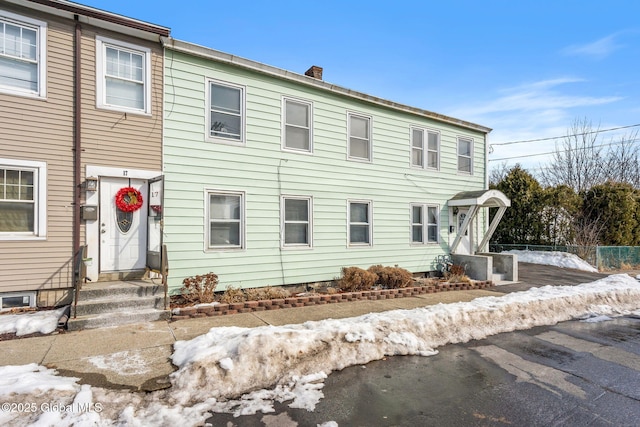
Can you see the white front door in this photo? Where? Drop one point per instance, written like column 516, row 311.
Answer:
column 464, row 247
column 123, row 235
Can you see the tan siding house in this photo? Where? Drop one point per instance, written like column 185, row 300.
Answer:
column 72, row 111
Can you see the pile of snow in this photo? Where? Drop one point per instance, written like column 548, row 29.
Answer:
column 43, row 322
column 559, row 259
column 289, row 363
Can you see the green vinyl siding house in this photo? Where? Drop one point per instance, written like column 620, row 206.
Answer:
column 277, row 178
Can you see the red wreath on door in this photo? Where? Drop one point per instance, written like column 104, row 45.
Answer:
column 128, row 199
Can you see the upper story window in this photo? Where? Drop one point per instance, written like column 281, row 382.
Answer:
column 226, row 112
column 359, row 129
column 360, row 223
column 225, row 220
column 22, row 55
column 123, row 76
column 425, row 148
column 465, row 155
column 296, row 222
column 298, row 125
column 22, row 199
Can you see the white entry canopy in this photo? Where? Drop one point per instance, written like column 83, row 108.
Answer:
column 480, row 198
column 476, row 200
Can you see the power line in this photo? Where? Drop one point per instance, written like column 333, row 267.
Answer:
column 564, row 136
column 567, row 150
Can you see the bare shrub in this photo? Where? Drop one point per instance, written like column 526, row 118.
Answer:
column 356, row 279
column 392, row 277
column 269, row 292
column 457, row 274
column 199, row 288
column 232, row 295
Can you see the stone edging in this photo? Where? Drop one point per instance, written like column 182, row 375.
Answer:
column 310, row 300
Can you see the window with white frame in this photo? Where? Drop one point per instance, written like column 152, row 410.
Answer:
column 123, row 76
column 465, row 155
column 360, row 223
column 22, row 199
column 226, row 112
column 22, row 55
column 424, row 223
column 298, row 125
column 10, row 301
column 296, row 222
column 225, row 220
column 425, row 156
column 359, row 137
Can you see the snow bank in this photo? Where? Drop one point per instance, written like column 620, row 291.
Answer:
column 241, row 371
column 44, row 322
column 559, row 259
column 264, row 356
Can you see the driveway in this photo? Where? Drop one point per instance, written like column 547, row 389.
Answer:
column 537, row 275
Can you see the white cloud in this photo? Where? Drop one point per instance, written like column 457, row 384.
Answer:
column 598, row 49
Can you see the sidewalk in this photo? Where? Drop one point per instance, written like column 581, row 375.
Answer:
column 137, row 356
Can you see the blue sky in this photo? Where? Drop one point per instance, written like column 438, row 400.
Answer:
column 525, row 68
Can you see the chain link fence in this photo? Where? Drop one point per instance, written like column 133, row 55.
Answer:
column 603, row 257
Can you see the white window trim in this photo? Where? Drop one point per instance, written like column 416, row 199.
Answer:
column 425, row 224
column 288, row 246
column 370, row 120
column 101, row 90
column 243, row 113
column 425, row 148
column 369, row 204
column 31, row 295
column 40, row 200
column 41, row 26
column 284, row 125
column 207, row 221
column 471, row 142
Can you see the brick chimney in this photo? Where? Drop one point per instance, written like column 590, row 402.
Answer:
column 315, row 72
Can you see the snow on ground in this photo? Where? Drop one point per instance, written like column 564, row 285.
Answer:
column 44, row 322
column 559, row 259
column 289, row 363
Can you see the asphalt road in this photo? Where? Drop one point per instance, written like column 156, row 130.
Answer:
column 571, row 374
column 536, row 275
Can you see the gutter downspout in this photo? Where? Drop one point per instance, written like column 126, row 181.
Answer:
column 77, row 147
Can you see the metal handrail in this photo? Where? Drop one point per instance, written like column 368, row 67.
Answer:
column 164, row 267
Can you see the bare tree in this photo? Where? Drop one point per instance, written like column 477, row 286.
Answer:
column 578, row 159
column 623, row 160
column 498, row 173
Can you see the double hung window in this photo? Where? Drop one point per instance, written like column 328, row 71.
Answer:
column 22, row 199
column 296, row 222
column 425, row 148
column 22, row 55
column 360, row 223
column 359, row 137
column 225, row 220
column 123, row 76
column 465, row 155
column 297, row 125
column 226, row 112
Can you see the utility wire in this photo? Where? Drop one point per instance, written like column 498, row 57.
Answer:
column 567, row 150
column 564, row 136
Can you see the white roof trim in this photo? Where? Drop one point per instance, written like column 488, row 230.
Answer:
column 488, row 198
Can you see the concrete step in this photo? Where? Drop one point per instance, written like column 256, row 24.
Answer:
column 117, row 317
column 117, row 302
column 111, row 289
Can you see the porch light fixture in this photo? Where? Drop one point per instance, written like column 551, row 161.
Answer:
column 91, row 183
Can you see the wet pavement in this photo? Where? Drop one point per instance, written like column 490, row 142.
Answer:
column 571, row 374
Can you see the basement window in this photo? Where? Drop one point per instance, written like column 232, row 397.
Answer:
column 17, row 300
